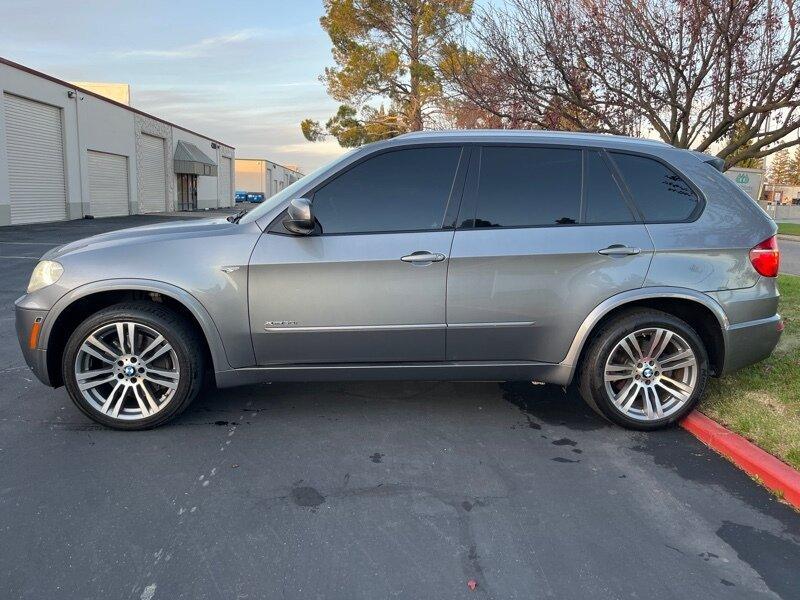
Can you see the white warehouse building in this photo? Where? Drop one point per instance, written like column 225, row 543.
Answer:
column 67, row 152
column 263, row 176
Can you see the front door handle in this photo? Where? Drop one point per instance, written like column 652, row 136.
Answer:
column 619, row 250
column 423, row 257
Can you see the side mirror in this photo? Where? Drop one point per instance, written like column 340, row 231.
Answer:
column 299, row 218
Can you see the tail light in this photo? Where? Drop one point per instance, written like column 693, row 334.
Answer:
column 766, row 257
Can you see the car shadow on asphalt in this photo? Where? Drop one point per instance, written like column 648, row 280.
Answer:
column 549, row 404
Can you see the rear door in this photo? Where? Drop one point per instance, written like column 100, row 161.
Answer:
column 545, row 234
column 369, row 286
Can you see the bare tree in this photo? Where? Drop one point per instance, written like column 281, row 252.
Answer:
column 715, row 75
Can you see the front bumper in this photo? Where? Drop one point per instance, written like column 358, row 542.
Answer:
column 36, row 358
column 749, row 342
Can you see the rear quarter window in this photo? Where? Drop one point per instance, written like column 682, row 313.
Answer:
column 659, row 192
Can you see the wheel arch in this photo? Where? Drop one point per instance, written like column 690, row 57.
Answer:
column 79, row 303
column 699, row 310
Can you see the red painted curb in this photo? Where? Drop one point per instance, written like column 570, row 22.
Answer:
column 774, row 474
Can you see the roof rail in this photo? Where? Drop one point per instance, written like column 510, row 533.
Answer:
column 526, row 133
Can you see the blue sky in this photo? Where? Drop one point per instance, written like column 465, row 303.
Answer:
column 244, row 72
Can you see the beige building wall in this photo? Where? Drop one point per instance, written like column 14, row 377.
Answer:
column 264, row 176
column 250, row 175
column 781, row 194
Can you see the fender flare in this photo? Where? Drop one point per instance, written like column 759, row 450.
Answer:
column 601, row 310
column 207, row 325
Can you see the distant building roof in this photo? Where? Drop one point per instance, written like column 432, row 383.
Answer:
column 292, row 168
column 118, row 92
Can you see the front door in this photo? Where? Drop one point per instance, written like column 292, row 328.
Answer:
column 545, row 235
column 369, row 285
column 187, row 191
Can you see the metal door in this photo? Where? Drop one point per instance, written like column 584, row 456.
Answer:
column 35, row 150
column 108, row 184
column 225, row 191
column 336, row 299
column 153, row 175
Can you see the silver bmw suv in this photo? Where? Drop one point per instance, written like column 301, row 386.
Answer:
column 629, row 266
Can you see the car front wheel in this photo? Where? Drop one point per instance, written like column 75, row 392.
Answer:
column 133, row 366
column 645, row 370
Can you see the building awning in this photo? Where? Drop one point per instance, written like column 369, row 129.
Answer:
column 190, row 159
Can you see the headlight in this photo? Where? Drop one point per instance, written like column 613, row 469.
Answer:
column 47, row 272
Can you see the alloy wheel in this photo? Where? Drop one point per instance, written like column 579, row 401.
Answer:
column 650, row 374
column 127, row 371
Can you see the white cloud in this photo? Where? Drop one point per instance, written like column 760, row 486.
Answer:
column 197, row 50
column 293, row 84
column 329, row 148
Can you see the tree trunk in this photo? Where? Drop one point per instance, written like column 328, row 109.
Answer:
column 415, row 102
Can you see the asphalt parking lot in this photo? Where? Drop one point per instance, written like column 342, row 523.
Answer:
column 365, row 490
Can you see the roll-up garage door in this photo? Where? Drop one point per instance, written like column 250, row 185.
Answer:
column 224, row 172
column 154, row 178
column 35, row 148
column 108, row 184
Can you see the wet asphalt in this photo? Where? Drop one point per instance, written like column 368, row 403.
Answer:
column 365, row 490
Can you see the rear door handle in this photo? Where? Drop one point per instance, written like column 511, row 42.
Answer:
column 422, row 257
column 619, row 250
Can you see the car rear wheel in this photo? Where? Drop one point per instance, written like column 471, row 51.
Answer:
column 645, row 370
column 133, row 366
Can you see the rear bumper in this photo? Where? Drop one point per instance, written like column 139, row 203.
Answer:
column 749, row 342
column 35, row 358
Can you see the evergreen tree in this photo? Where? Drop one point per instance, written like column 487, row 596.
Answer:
column 794, row 168
column 780, row 169
column 385, row 51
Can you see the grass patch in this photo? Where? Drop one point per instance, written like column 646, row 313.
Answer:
column 789, row 228
column 762, row 402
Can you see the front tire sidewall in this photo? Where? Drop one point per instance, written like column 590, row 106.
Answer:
column 189, row 365
column 593, row 382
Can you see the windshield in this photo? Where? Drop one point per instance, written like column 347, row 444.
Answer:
column 290, row 192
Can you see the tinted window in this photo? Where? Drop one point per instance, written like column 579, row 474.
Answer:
column 659, row 192
column 396, row 191
column 604, row 201
column 528, row 186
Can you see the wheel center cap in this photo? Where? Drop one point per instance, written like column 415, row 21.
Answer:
column 647, row 372
column 129, row 371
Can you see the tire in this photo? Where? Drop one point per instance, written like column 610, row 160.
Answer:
column 649, row 395
column 153, row 381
